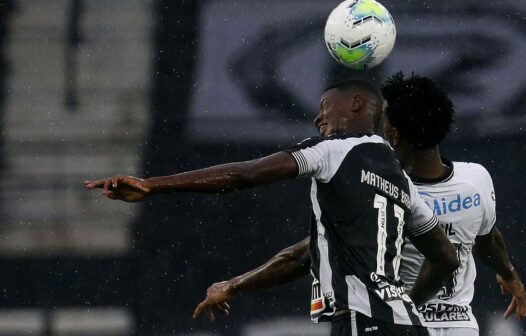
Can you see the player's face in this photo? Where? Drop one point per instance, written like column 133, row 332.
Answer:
column 334, row 116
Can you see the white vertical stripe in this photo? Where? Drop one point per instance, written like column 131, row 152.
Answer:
column 354, row 327
column 358, row 295
column 400, row 315
column 399, row 214
column 380, row 203
column 325, row 270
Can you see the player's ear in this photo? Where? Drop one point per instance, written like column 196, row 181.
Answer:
column 358, row 102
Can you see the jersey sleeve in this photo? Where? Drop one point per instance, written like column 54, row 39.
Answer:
column 423, row 217
column 487, row 198
column 318, row 157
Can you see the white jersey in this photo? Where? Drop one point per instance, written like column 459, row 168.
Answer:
column 464, row 202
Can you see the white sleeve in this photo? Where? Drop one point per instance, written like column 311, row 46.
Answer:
column 321, row 157
column 313, row 162
column 321, row 160
column 423, row 218
column 487, row 199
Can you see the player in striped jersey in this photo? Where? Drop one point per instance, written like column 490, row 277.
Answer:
column 363, row 205
column 461, row 194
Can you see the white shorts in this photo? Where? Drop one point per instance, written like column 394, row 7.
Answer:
column 453, row 332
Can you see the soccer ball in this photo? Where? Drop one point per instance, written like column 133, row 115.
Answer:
column 360, row 34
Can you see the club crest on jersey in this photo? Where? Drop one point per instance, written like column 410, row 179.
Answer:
column 444, row 205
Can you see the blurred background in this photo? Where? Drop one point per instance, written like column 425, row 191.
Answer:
column 92, row 88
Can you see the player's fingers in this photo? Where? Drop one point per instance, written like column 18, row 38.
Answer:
column 511, row 308
column 226, row 305
column 106, row 186
column 209, row 312
column 522, row 306
column 114, row 182
column 119, row 179
column 222, row 308
column 94, row 184
column 89, row 184
column 198, row 309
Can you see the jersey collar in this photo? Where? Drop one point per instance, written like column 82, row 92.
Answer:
column 441, row 179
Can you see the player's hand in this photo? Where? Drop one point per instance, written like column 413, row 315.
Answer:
column 518, row 302
column 124, row 188
column 216, row 299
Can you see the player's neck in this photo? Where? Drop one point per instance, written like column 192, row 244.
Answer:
column 425, row 163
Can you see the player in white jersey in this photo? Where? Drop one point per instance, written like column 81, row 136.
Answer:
column 363, row 204
column 463, row 201
column 461, row 194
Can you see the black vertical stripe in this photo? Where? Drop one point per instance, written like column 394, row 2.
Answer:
column 414, row 319
column 379, row 309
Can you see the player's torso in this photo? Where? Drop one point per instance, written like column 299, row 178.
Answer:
column 359, row 217
column 457, row 202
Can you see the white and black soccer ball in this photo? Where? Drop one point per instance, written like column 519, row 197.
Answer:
column 360, row 34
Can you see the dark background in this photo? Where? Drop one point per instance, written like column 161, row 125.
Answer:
column 183, row 243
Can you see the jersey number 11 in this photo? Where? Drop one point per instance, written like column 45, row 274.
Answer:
column 380, row 203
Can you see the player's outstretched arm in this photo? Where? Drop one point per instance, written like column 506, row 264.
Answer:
column 216, row 179
column 286, row 266
column 491, row 250
column 441, row 261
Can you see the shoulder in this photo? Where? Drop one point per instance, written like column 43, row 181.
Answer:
column 348, row 140
column 471, row 171
column 474, row 174
column 309, row 142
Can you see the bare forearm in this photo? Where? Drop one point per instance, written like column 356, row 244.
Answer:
column 227, row 177
column 217, row 179
column 491, row 250
column 430, row 280
column 440, row 263
column 286, row 266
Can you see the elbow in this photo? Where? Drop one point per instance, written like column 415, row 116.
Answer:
column 296, row 259
column 236, row 181
column 242, row 177
column 289, row 256
column 237, row 178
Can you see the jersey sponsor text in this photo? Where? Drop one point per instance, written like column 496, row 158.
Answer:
column 458, row 203
column 440, row 312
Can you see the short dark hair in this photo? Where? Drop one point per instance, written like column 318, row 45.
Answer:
column 359, row 83
column 368, row 87
column 419, row 109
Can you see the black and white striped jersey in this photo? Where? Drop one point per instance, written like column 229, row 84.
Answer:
column 363, row 206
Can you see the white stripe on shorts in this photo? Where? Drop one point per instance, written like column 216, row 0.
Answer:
column 354, row 329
